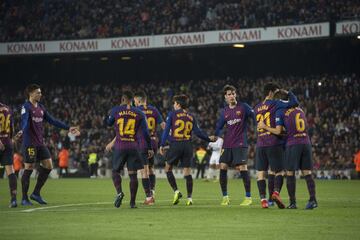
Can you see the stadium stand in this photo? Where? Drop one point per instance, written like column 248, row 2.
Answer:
column 69, row 19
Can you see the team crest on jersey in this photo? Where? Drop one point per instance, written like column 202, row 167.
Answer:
column 238, row 113
column 23, row 110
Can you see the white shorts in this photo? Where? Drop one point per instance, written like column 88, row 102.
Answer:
column 215, row 158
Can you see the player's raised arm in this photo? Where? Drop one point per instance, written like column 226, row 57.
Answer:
column 220, row 124
column 292, row 102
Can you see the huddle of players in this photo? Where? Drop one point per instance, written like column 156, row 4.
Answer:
column 136, row 129
column 281, row 122
column 278, row 121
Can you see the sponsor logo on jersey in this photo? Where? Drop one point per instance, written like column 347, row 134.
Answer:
column 233, row 121
column 37, row 119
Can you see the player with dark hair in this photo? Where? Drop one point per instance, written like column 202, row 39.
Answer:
column 7, row 148
column 128, row 121
column 182, row 124
column 269, row 147
column 33, row 114
column 235, row 116
column 153, row 119
column 298, row 149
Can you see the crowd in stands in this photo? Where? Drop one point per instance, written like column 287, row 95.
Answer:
column 330, row 102
column 80, row 19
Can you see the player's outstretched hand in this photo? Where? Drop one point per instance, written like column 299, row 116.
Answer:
column 2, row 147
column 213, row 138
column 162, row 151
column 261, row 125
column 150, row 153
column 74, row 131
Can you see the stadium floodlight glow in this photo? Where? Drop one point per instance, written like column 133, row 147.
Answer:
column 358, row 37
column 104, row 58
column 125, row 58
column 239, row 45
column 319, row 83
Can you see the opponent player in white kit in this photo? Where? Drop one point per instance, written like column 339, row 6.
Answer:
column 216, row 148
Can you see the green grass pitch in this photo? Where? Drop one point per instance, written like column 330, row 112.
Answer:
column 83, row 209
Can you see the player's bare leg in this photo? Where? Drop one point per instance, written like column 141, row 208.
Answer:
column 217, row 174
column 212, row 174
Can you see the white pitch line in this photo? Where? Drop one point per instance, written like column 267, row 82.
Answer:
column 102, row 203
column 94, row 203
column 143, row 208
column 65, row 205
